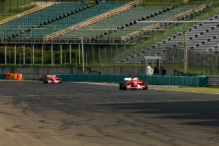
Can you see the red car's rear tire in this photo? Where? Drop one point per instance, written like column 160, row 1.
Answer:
column 124, row 85
column 121, row 85
column 60, row 81
column 45, row 81
column 146, row 85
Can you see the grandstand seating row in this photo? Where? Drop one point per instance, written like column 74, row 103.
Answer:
column 118, row 21
column 124, row 23
column 95, row 19
column 161, row 17
column 181, row 16
column 71, row 20
column 125, row 26
column 27, row 12
column 42, row 17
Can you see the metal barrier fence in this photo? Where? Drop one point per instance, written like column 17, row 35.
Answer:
column 59, row 54
column 199, row 62
column 197, row 81
column 213, row 81
column 2, row 76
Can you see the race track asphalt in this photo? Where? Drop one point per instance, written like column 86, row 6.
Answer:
column 81, row 114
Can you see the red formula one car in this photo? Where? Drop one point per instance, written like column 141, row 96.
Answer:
column 133, row 83
column 52, row 79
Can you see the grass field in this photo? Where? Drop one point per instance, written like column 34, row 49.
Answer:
column 9, row 6
column 213, row 90
column 189, row 89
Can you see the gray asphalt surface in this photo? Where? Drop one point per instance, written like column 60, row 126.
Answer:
column 33, row 113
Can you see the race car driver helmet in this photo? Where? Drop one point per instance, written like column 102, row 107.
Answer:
column 133, row 77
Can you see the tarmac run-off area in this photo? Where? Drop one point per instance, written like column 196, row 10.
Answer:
column 81, row 114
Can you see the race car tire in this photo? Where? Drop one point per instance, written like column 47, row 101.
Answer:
column 146, row 85
column 124, row 85
column 121, row 85
column 60, row 81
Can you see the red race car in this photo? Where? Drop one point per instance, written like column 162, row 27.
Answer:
column 52, row 79
column 133, row 83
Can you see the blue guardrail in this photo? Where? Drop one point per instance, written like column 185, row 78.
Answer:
column 2, row 76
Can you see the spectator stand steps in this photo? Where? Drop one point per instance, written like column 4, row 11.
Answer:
column 94, row 19
column 38, row 19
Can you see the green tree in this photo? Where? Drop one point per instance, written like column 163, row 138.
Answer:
column 2, row 4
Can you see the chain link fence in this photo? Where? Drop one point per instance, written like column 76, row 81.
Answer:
column 198, row 62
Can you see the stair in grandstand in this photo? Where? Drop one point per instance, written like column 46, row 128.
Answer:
column 26, row 12
column 116, row 10
column 43, row 17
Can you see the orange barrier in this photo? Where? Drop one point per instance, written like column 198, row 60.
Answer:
column 13, row 76
column 10, row 76
column 19, row 77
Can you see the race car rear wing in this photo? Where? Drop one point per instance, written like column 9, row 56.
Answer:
column 128, row 79
column 50, row 76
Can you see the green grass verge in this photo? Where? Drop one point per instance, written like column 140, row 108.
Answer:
column 15, row 5
column 190, row 89
column 3, row 17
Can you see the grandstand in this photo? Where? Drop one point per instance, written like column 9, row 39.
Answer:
column 73, row 21
column 105, row 28
column 201, row 37
column 28, row 22
column 104, row 25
